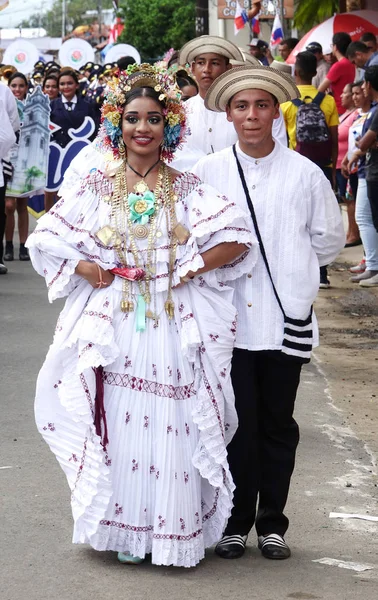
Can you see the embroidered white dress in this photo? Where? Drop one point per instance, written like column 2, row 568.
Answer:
column 162, row 484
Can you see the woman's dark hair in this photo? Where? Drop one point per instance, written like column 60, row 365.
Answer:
column 357, row 83
column 47, row 77
column 68, row 73
column 143, row 92
column 125, row 61
column 174, row 59
column 183, row 79
column 18, row 75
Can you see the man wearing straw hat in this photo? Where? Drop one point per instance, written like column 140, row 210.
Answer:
column 294, row 210
column 209, row 57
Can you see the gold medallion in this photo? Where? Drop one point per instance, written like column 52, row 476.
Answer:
column 140, row 231
column 140, row 206
column 141, row 187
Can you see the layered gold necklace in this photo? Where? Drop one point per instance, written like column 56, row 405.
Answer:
column 135, row 217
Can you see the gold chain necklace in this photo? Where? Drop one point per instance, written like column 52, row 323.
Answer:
column 122, row 225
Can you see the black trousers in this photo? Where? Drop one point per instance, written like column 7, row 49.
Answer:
column 262, row 453
column 2, row 219
column 372, row 190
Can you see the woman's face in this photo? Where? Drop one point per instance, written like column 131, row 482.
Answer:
column 19, row 88
column 188, row 91
column 68, row 86
column 346, row 97
column 143, row 126
column 51, row 88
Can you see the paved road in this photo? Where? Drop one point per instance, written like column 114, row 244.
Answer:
column 37, row 561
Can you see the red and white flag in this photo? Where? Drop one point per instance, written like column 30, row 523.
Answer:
column 240, row 18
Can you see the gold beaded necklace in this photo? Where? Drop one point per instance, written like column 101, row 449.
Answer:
column 125, row 230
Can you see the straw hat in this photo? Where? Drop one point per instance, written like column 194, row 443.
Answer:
column 237, row 79
column 248, row 60
column 206, row 44
column 281, row 66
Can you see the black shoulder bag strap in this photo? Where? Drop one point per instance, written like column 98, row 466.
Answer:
column 258, row 234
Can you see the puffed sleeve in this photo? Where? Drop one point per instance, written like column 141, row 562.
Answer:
column 66, row 234
column 211, row 219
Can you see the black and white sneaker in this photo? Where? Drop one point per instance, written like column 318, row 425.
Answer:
column 273, row 546
column 231, row 546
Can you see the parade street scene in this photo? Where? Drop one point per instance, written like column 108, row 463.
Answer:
column 189, row 299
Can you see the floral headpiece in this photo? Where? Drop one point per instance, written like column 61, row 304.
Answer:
column 164, row 83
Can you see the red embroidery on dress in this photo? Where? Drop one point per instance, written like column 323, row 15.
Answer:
column 152, row 469
column 236, row 262
column 226, row 426
column 212, row 511
column 233, row 328
column 81, row 467
column 57, row 384
column 219, row 387
column 157, row 474
column 213, row 337
column 202, row 348
column 71, row 227
column 80, row 245
column 182, row 525
column 187, row 317
column 197, row 212
column 187, row 429
column 169, row 429
column 127, row 418
column 181, row 307
column 201, row 281
column 153, row 387
column 197, row 518
column 60, row 271
column 150, row 528
column 135, row 466
column 213, row 400
column 218, row 214
column 154, row 370
column 176, row 432
column 85, row 349
column 74, row 458
column 142, row 529
column 94, row 313
column 106, row 303
column 223, row 372
column 87, row 392
column 178, row 375
column 49, row 426
column 161, row 522
column 108, row 461
column 186, row 477
column 118, row 509
column 128, row 362
column 146, row 421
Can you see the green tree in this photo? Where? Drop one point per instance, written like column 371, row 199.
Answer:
column 309, row 13
column 31, row 173
column 154, row 26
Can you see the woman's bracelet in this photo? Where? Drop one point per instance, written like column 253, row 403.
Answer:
column 101, row 283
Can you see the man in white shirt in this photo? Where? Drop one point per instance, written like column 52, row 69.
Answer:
column 301, row 228
column 209, row 57
column 10, row 123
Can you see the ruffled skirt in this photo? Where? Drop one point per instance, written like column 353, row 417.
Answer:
column 162, row 483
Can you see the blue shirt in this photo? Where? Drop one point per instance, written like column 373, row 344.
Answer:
column 365, row 128
column 373, row 60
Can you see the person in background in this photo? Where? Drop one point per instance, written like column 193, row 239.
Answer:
column 361, row 56
column 367, row 145
column 370, row 40
column 260, row 50
column 50, row 87
column 346, row 121
column 363, row 105
column 187, row 84
column 10, row 125
column 68, row 112
column 322, row 66
column 305, row 69
column 18, row 85
column 124, row 62
column 286, row 47
column 342, row 72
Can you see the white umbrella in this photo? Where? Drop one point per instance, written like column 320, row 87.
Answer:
column 355, row 23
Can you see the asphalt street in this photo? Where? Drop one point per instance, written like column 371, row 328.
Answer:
column 334, row 473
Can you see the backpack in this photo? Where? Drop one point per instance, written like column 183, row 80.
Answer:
column 312, row 134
